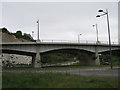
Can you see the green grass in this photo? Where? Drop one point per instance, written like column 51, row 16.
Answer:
column 50, row 80
column 56, row 68
column 114, row 69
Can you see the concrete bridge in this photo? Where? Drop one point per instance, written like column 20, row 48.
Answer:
column 34, row 49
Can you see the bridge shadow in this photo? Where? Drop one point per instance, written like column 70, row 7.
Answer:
column 67, row 57
column 60, row 57
column 105, row 57
column 64, row 57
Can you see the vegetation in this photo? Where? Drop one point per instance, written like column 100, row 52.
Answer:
column 4, row 30
column 105, row 58
column 18, row 34
column 66, row 56
column 27, row 37
column 56, row 68
column 56, row 57
column 50, row 80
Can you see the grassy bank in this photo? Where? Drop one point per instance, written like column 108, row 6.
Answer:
column 50, row 80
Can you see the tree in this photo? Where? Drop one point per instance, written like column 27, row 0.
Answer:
column 27, row 36
column 4, row 30
column 18, row 34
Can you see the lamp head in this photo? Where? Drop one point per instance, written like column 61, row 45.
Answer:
column 100, row 11
column 98, row 16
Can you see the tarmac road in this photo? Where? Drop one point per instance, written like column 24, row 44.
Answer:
column 103, row 71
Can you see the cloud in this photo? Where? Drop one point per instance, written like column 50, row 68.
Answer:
column 60, row 21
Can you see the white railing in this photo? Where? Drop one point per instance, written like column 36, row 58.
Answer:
column 63, row 41
column 75, row 41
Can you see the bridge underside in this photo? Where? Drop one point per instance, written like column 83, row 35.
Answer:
column 84, row 57
column 21, row 53
column 72, row 51
column 89, row 57
column 17, row 52
column 114, row 52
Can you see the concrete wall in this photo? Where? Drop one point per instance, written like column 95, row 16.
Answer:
column 19, row 59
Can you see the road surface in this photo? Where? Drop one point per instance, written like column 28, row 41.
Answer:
column 102, row 71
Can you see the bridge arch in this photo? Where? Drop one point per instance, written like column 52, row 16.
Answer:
column 113, row 52
column 45, row 50
column 80, row 54
column 69, row 50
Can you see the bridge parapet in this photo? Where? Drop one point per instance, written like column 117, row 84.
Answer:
column 75, row 41
column 46, row 46
column 63, row 42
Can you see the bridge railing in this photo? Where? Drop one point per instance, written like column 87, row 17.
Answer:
column 75, row 41
column 64, row 41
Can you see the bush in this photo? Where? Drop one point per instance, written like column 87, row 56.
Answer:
column 18, row 34
column 27, row 37
column 4, row 30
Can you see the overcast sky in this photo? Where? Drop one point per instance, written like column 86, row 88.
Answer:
column 61, row 20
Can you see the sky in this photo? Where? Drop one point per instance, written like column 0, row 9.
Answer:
column 61, row 20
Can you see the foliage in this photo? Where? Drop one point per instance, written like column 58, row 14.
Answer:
column 50, row 80
column 106, row 58
column 56, row 57
column 4, row 30
column 18, row 34
column 27, row 36
column 84, row 57
column 66, row 57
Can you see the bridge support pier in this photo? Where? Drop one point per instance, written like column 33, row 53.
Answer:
column 97, row 60
column 36, row 59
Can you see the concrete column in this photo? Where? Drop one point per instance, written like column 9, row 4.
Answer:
column 97, row 60
column 37, row 62
column 33, row 61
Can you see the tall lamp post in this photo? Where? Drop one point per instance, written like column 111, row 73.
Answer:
column 32, row 34
column 38, row 30
column 96, row 31
column 79, row 38
column 106, row 13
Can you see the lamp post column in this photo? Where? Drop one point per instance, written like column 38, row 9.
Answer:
column 96, row 27
column 106, row 13
column 79, row 38
column 38, row 30
column 97, row 32
column 109, row 39
column 37, row 62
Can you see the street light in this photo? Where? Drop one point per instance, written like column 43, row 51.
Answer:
column 106, row 13
column 96, row 31
column 38, row 29
column 32, row 34
column 79, row 38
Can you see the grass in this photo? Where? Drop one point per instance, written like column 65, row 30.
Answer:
column 114, row 69
column 55, row 68
column 50, row 80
